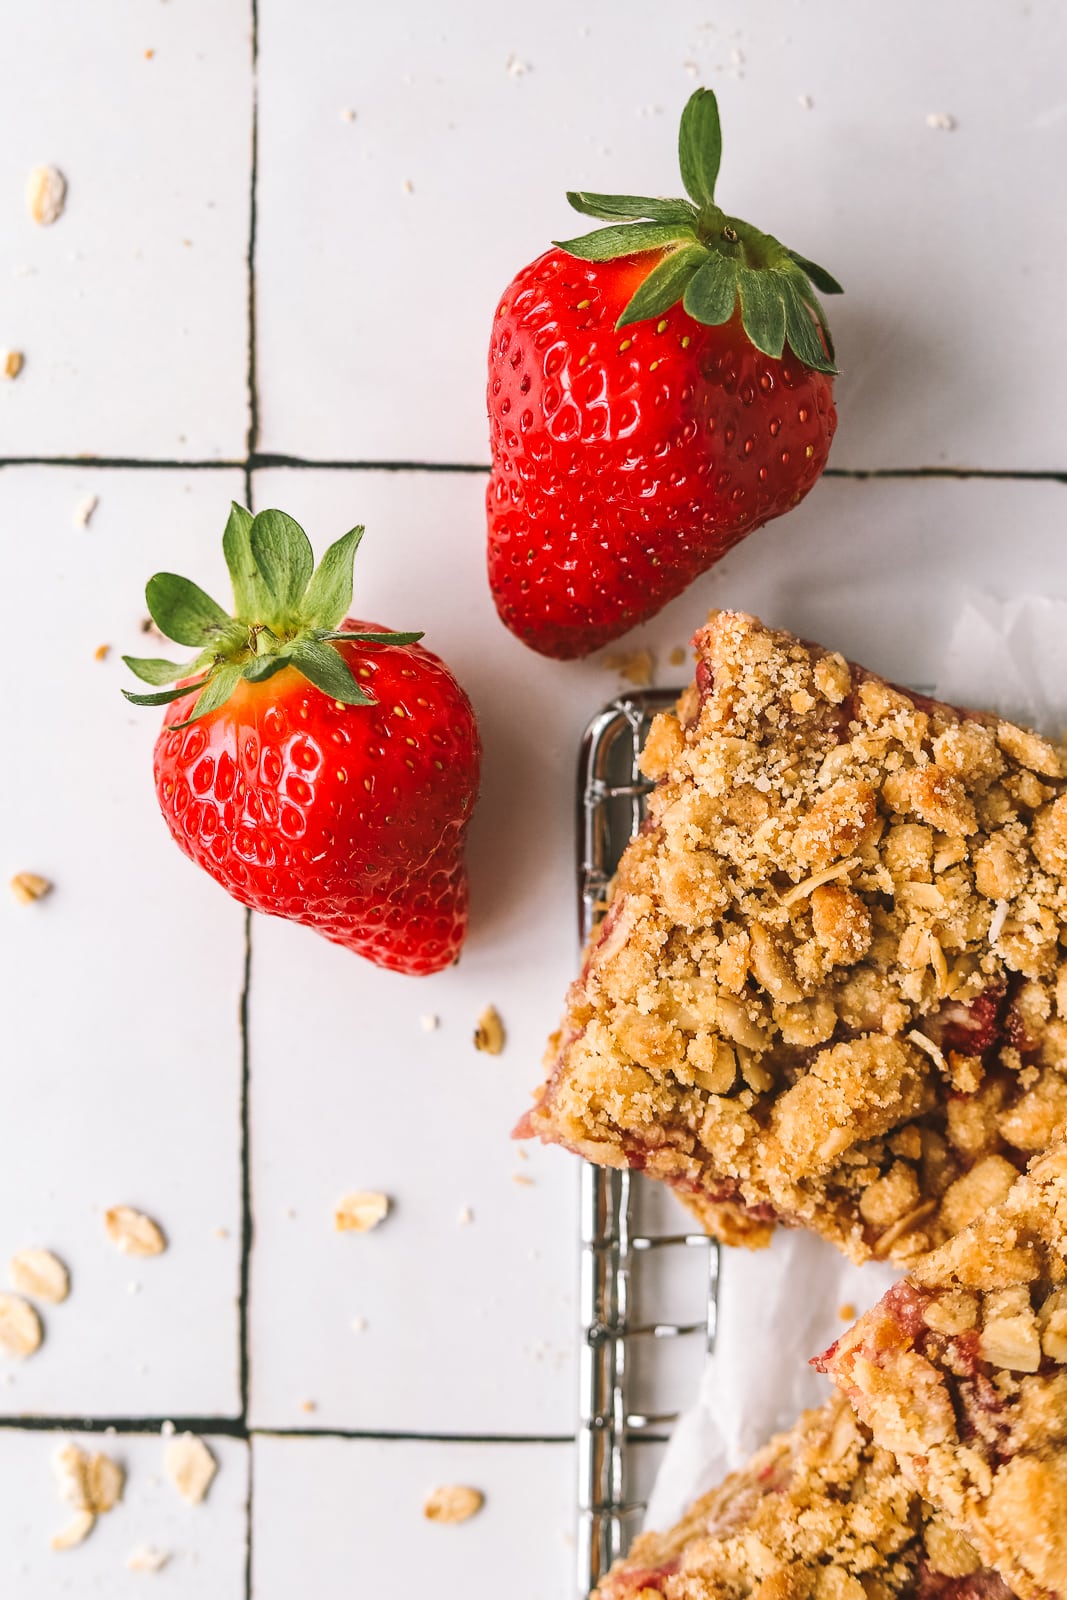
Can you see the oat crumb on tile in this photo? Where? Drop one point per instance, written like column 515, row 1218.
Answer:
column 147, row 1559
column 46, row 195
column 39, row 1274
column 30, row 886
column 133, row 1233
column 453, row 1503
column 190, row 1466
column 11, row 363
column 20, row 1327
column 489, row 1033
column 84, row 509
column 360, row 1211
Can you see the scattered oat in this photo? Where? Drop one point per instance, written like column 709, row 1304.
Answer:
column 46, row 195
column 805, row 102
column 83, row 511
column 11, row 363
column 359, row 1324
column 692, row 67
column 30, row 886
column 149, row 54
column 942, row 121
column 998, row 919
column 39, row 1274
column 101, row 652
column 847, row 1312
column 133, row 1233
column 220, row 1233
column 78, row 1528
column 190, row 1466
column 677, row 656
column 636, row 666
column 347, row 114
column 430, row 1023
column 168, row 1430
column 465, row 1217
column 515, row 67
column 407, row 186
column 489, row 1034
column 20, row 1327
column 361, row 1211
column 146, row 1559
column 133, row 1287
column 309, row 1406
column 92, row 1483
column 455, row 1502
column 523, row 1179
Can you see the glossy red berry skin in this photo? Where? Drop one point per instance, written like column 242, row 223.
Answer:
column 626, row 463
column 349, row 819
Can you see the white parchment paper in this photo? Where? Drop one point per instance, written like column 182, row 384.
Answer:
column 779, row 1307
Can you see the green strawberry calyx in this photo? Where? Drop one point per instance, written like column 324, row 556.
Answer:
column 286, row 614
column 711, row 260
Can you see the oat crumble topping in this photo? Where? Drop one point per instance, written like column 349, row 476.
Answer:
column 829, row 989
column 961, row 1370
column 818, row 1514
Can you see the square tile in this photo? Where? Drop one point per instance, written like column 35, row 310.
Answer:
column 385, row 242
column 122, row 986
column 132, row 309
column 206, row 1544
column 330, row 1513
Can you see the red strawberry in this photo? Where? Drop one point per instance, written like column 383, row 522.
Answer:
column 657, row 389
column 320, row 769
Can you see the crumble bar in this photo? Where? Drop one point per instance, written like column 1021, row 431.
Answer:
column 818, row 1514
column 829, row 988
column 961, row 1371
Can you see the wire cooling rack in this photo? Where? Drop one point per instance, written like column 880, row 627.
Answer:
column 617, row 1335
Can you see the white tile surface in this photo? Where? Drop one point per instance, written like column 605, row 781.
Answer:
column 375, row 302
column 206, row 1543
column 337, row 1517
column 132, row 308
column 383, row 243
column 121, row 988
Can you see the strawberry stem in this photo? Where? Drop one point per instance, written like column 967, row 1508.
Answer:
column 286, row 613
column 710, row 261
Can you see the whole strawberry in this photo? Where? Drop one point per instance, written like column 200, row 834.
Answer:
column 657, row 389
column 320, row 769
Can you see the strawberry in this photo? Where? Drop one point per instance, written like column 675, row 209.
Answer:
column 320, row 769
column 657, row 389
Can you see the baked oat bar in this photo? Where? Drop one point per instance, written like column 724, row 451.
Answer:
column 961, row 1370
column 818, row 1514
column 829, row 988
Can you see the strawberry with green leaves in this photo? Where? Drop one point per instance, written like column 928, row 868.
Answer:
column 320, row 768
column 657, row 389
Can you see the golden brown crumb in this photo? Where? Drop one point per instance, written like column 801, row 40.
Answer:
column 635, row 666
column 453, row 1503
column 489, row 1034
column 961, row 1370
column 361, row 1211
column 807, row 1001
column 30, row 886
column 818, row 1514
column 11, row 363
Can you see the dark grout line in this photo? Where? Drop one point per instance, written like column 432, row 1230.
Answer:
column 305, row 463
column 237, row 1428
column 229, row 1427
column 125, row 463
column 247, row 1224
column 258, row 460
column 253, row 392
column 861, row 474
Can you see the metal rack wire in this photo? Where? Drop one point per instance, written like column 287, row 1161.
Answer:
column 611, row 805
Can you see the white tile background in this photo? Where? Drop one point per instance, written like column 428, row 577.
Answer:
column 127, row 1073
